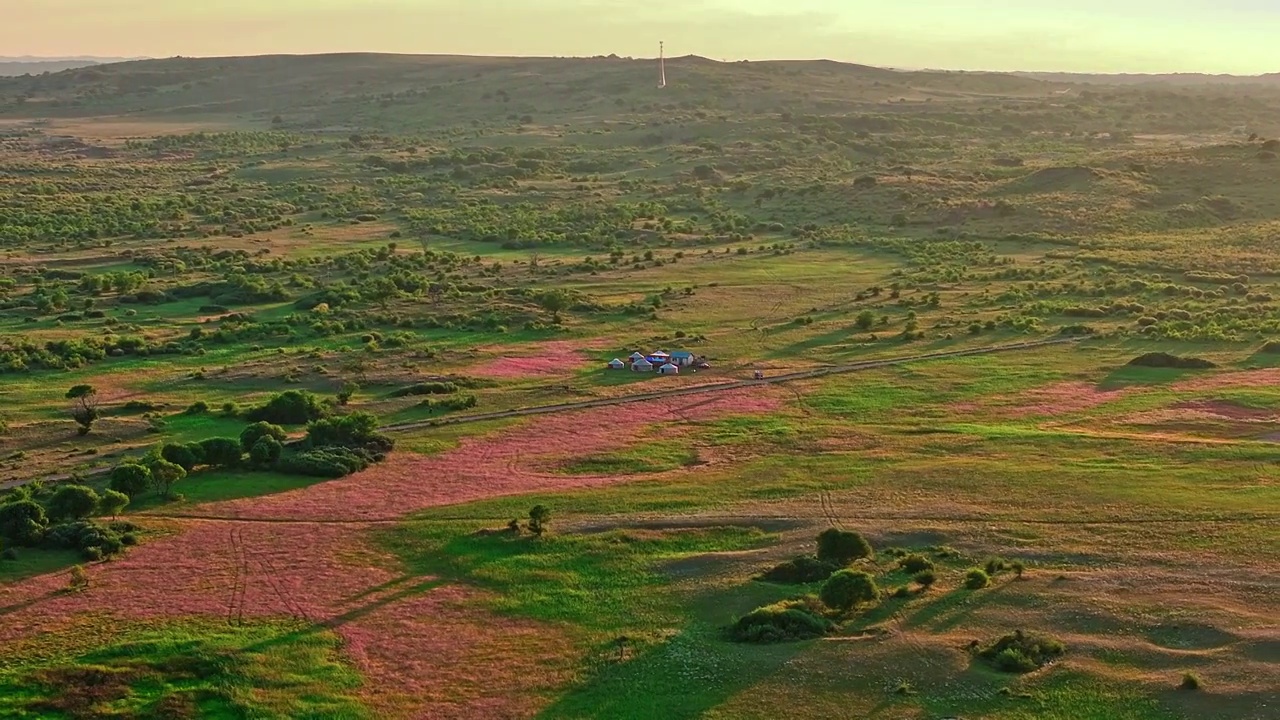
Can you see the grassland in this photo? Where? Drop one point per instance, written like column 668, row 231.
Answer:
column 424, row 237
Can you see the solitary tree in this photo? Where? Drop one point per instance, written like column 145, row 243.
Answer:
column 112, row 502
column 842, row 547
column 165, row 474
column 78, row 579
column 130, row 479
column 865, row 320
column 84, row 406
column 22, row 522
column 847, row 588
column 73, row 502
column 539, row 516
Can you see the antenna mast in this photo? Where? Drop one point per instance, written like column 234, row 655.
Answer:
column 662, row 64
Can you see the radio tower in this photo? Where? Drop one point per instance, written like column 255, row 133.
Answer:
column 662, row 64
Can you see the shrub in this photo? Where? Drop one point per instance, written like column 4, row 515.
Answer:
column 255, row 432
column 976, row 579
column 359, row 429
column 842, row 547
column 1191, row 681
column 185, row 456
column 1165, row 360
column 130, row 479
column 539, row 516
column 220, row 452
column 449, row 404
column 915, row 563
column 73, row 502
column 1018, row 567
column 926, row 578
column 848, row 588
column 902, row 592
column 996, row 565
column 198, row 407
column 803, row 569
column 326, row 462
column 292, row 407
column 77, row 579
column 9, row 554
column 1021, row 652
column 112, row 502
column 22, row 522
column 94, row 541
column 265, row 452
column 426, row 388
column 781, row 622
column 1271, row 347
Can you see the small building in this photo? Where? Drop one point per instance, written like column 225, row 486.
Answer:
column 636, row 356
column 642, row 365
column 681, row 358
column 616, row 364
column 669, row 369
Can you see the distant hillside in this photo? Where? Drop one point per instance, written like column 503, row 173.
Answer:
column 15, row 66
column 1184, row 79
column 461, row 95
column 341, row 89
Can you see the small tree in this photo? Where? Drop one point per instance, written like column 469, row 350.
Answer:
column 255, row 432
column 865, row 320
column 348, row 389
column 22, row 522
column 165, row 474
column 186, row 456
column 78, row 579
column 847, row 588
column 926, row 578
column 842, row 547
column 73, row 502
column 84, row 407
column 539, row 516
column 112, row 502
column 976, row 579
column 266, row 452
column 221, row 452
column 130, row 479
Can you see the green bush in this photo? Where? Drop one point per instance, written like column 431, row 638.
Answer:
column 915, row 563
column 848, row 588
column 1191, row 681
column 221, row 452
column 164, row 475
column 266, row 452
column 186, row 456
column 22, row 522
column 799, row 570
column 112, row 502
column 357, row 430
column 781, row 622
column 1021, row 652
column 93, row 540
column 326, row 462
column 426, row 388
column 130, row 479
column 842, row 547
column 255, row 432
column 73, row 502
column 292, row 407
column 976, row 579
column 996, row 565
column 925, row 578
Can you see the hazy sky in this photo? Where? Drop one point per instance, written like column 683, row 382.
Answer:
column 1237, row 36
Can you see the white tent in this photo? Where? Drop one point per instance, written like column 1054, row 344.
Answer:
column 617, row 364
column 642, row 365
column 669, row 369
column 637, row 356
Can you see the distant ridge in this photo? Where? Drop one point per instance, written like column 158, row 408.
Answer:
column 28, row 65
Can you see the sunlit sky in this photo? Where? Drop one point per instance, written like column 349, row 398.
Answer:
column 1218, row 36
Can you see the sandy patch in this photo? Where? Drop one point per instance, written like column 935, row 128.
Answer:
column 1201, row 411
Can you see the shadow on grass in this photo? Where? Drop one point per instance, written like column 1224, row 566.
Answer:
column 690, row 674
column 1130, row 375
column 949, row 610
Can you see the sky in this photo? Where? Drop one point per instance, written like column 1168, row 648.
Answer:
column 1215, row 36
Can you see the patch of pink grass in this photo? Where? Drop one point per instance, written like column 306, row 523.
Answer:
column 492, row 466
column 1062, row 398
column 555, row 357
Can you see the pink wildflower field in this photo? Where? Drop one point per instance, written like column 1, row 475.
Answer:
column 306, row 554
